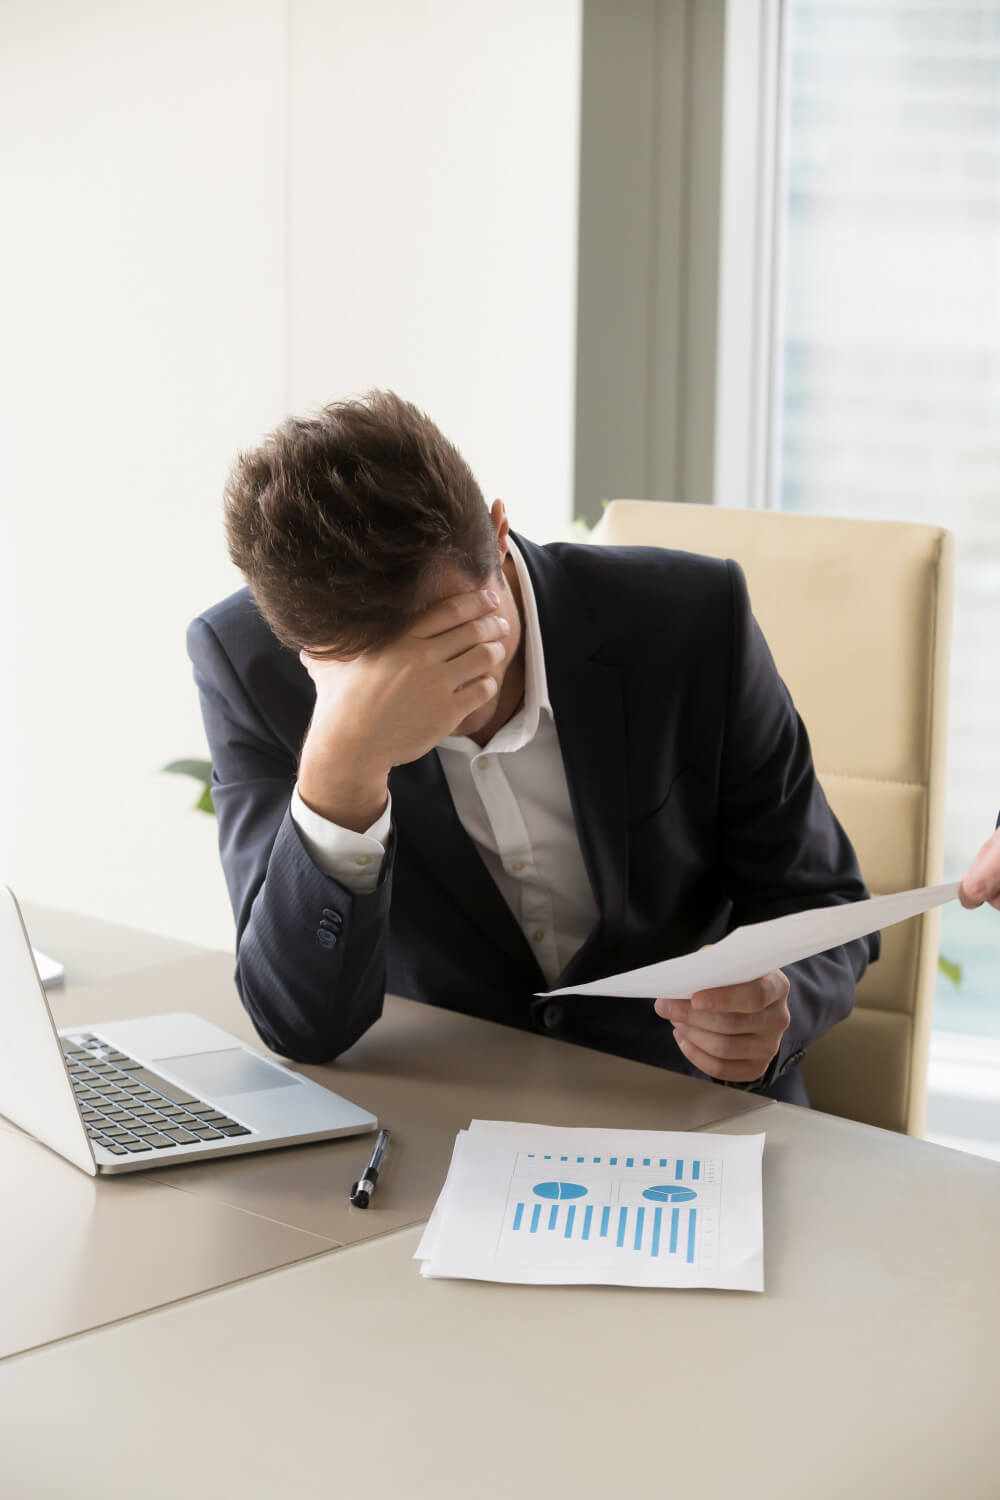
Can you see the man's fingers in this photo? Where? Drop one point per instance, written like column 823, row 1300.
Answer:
column 474, row 695
column 456, row 610
column 475, row 663
column 741, row 1071
column 746, row 999
column 981, row 881
column 743, row 1047
column 454, row 643
column 725, row 1023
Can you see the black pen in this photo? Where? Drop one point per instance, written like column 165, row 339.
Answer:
column 361, row 1192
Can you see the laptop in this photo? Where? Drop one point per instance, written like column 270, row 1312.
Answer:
column 123, row 1096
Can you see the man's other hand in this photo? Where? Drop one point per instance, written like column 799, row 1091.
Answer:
column 733, row 1032
column 981, row 881
column 389, row 706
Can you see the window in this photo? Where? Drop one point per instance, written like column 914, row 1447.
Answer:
column 888, row 343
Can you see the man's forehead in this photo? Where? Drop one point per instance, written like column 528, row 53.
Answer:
column 443, row 580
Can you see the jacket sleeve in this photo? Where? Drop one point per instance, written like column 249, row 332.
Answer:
column 783, row 849
column 310, row 955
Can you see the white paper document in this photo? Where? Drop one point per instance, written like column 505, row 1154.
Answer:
column 557, row 1205
column 748, row 952
column 50, row 970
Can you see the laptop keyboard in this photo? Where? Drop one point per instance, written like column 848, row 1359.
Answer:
column 128, row 1109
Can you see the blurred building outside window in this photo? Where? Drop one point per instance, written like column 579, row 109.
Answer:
column 888, row 389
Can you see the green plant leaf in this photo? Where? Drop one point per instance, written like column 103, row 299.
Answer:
column 951, row 970
column 201, row 770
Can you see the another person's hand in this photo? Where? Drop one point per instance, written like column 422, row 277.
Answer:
column 389, row 706
column 981, row 881
column 733, row 1032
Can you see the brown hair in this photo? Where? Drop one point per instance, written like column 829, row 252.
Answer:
column 338, row 522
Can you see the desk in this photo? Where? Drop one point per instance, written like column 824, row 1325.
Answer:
column 866, row 1370
column 86, row 1251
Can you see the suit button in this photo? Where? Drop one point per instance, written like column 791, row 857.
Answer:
column 552, row 1016
column 332, row 916
column 326, row 938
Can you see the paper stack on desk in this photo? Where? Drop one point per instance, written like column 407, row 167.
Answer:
column 555, row 1205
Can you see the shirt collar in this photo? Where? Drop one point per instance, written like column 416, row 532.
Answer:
column 522, row 727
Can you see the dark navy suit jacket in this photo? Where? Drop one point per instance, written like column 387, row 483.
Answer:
column 690, row 777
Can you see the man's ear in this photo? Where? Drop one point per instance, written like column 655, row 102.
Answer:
column 501, row 525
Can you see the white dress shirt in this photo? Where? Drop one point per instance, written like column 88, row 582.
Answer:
column 512, row 800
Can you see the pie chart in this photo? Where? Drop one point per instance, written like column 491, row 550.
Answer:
column 669, row 1192
column 561, row 1190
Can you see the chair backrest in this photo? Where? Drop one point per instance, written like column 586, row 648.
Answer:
column 858, row 617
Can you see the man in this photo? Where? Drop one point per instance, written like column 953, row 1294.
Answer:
column 465, row 768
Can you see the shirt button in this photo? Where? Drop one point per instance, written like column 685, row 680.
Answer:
column 481, row 762
column 362, row 859
column 518, row 866
column 538, row 934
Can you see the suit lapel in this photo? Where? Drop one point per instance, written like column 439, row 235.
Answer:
column 586, row 696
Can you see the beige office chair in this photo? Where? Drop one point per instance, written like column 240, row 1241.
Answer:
column 858, row 616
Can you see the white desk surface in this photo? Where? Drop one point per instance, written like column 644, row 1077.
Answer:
column 868, row 1369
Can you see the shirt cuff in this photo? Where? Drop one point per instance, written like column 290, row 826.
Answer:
column 355, row 859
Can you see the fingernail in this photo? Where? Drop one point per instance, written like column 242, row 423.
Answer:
column 503, row 624
column 491, row 597
column 663, row 1008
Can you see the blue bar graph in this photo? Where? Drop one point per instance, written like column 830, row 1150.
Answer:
column 651, row 1211
column 636, row 1228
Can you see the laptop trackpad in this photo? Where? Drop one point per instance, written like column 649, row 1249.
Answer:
column 230, row 1072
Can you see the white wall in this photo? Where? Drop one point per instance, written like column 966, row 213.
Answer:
column 433, row 217
column 215, row 213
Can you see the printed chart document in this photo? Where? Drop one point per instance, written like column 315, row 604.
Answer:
column 748, row 952
column 555, row 1205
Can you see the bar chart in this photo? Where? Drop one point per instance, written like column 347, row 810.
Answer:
column 596, row 1206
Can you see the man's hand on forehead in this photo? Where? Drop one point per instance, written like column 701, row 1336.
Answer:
column 392, row 704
